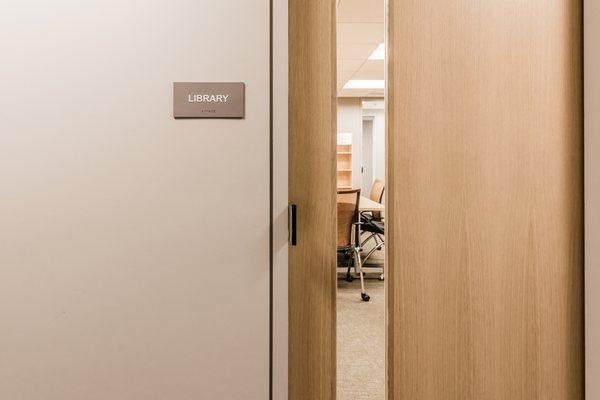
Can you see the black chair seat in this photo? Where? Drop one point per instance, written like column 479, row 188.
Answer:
column 374, row 227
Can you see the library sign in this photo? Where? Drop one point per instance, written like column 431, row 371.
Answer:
column 209, row 100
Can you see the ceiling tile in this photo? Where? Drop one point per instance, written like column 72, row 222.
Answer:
column 360, row 30
column 361, row 11
column 371, row 69
column 355, row 51
column 360, row 33
column 349, row 64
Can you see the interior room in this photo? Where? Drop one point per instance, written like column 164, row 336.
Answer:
column 360, row 197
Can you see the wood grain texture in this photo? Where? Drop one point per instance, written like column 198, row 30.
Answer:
column 312, row 113
column 484, row 200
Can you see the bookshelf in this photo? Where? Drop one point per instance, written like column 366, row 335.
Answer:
column 344, row 160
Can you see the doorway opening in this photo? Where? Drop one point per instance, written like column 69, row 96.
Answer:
column 360, row 155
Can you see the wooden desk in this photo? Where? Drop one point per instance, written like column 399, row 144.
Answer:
column 367, row 204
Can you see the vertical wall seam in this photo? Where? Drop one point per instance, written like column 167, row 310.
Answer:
column 270, row 199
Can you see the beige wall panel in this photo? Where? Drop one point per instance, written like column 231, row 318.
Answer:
column 312, row 124
column 485, row 200
column 134, row 248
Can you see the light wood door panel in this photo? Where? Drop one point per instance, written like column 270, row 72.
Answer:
column 484, row 200
column 312, row 121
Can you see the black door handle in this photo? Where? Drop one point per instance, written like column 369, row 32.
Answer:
column 292, row 224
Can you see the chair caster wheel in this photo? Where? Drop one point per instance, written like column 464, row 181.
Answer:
column 349, row 278
column 365, row 297
column 381, row 277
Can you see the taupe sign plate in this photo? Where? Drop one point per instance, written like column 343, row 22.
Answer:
column 208, row 100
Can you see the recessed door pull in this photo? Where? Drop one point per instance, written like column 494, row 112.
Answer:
column 292, row 224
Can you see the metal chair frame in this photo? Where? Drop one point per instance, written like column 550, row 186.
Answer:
column 377, row 237
column 353, row 250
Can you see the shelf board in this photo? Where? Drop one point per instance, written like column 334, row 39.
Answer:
column 344, row 152
column 344, row 170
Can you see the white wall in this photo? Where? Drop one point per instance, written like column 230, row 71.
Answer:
column 350, row 121
column 134, row 258
column 378, row 115
column 592, row 197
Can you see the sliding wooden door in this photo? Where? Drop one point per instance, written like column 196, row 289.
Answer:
column 312, row 121
column 484, row 200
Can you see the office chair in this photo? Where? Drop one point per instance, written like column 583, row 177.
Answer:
column 372, row 222
column 347, row 227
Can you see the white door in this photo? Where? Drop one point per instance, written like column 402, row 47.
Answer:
column 134, row 248
column 367, row 156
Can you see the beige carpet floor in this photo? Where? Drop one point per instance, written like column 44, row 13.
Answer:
column 360, row 341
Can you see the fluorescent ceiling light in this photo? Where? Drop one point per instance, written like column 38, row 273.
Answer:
column 365, row 84
column 379, row 53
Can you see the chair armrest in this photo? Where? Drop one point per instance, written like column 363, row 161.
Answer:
column 367, row 216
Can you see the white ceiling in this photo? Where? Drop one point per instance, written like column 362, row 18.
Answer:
column 360, row 29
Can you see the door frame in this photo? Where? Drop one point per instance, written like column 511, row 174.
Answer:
column 279, row 196
column 591, row 147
